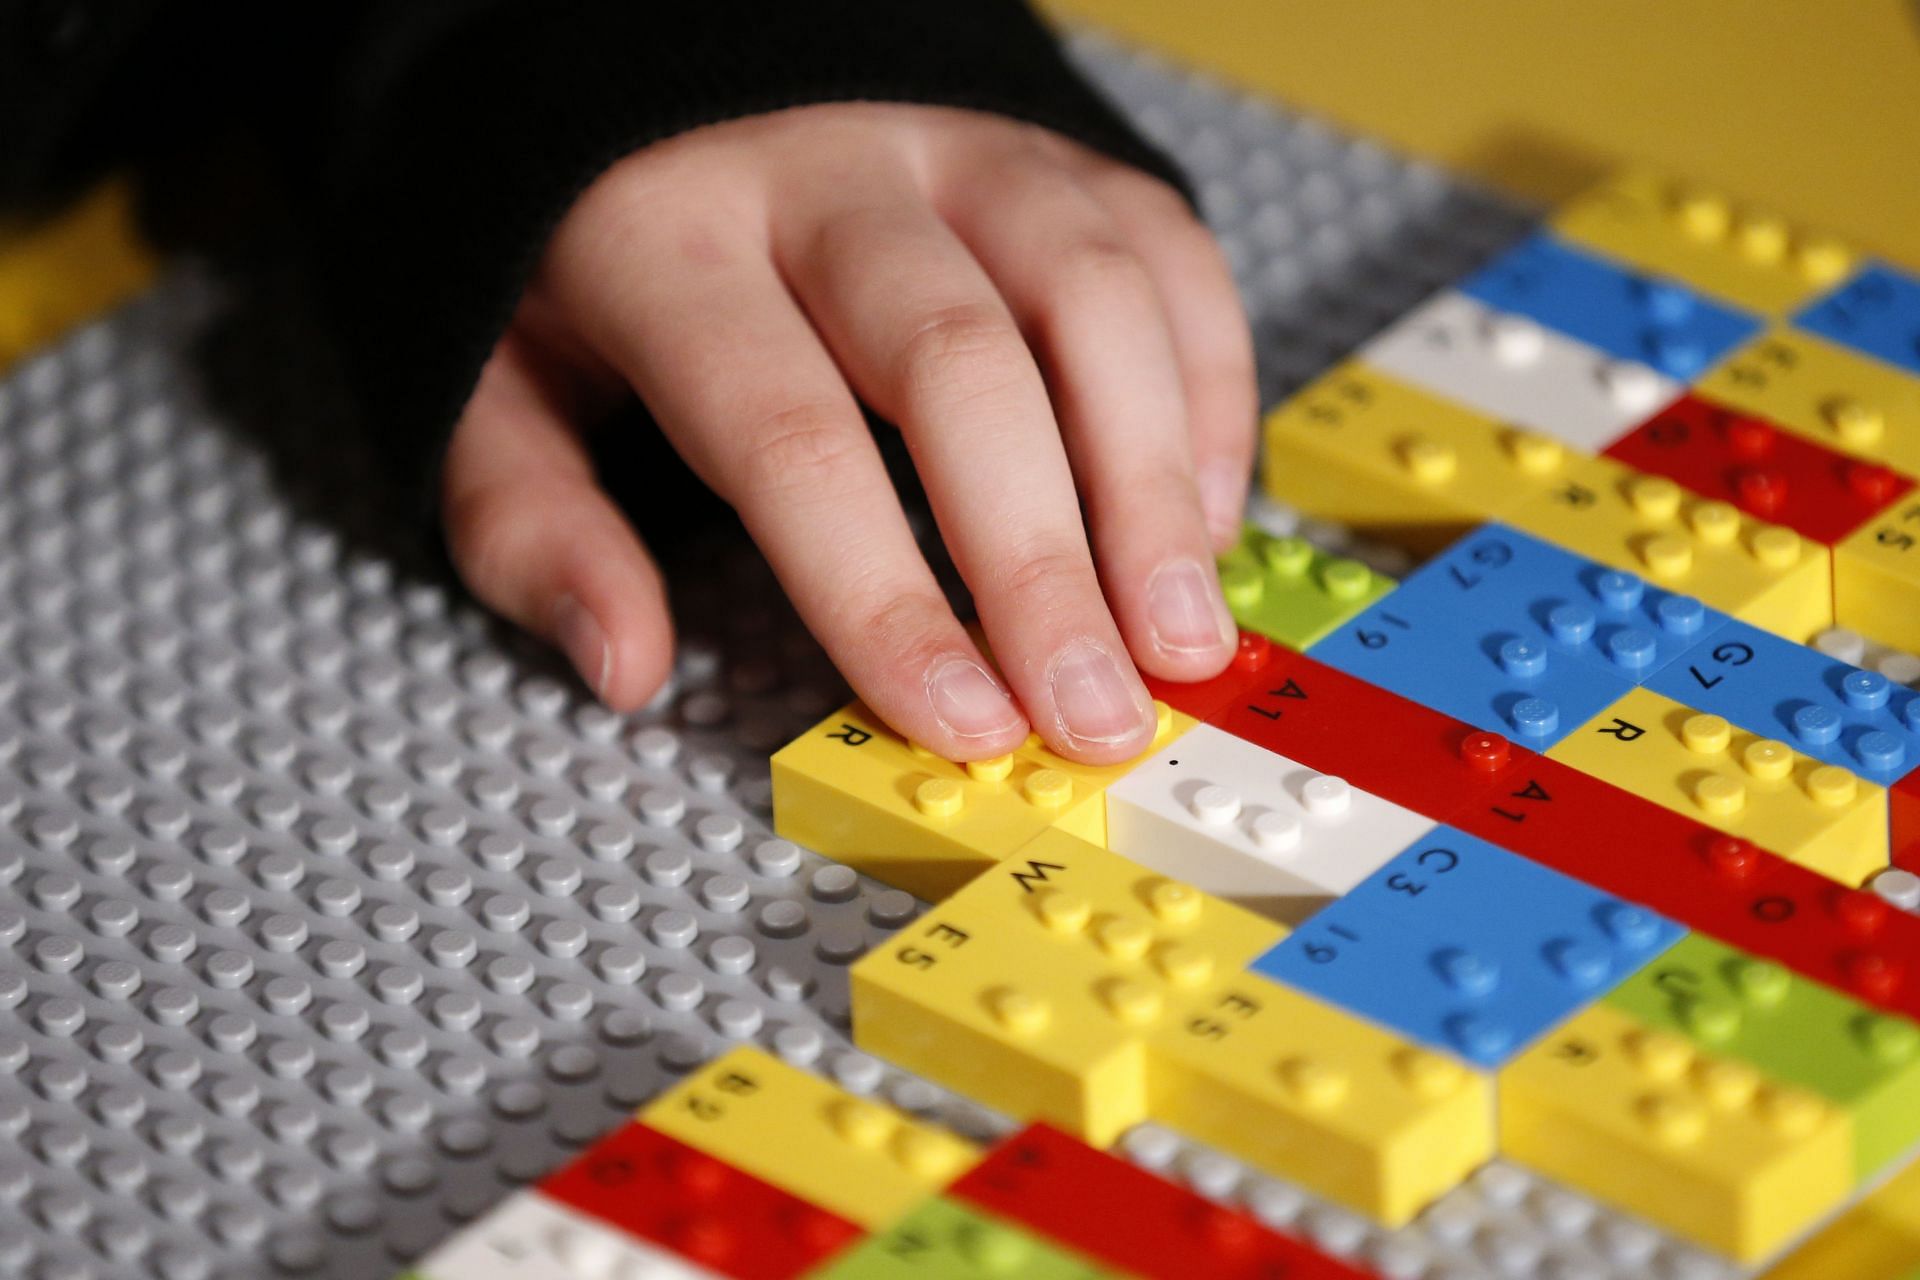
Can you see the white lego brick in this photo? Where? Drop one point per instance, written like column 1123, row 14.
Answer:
column 1245, row 824
column 531, row 1237
column 1513, row 369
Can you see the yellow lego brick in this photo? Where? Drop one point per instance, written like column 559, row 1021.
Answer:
column 1819, row 815
column 1876, row 577
column 1823, row 391
column 856, row 791
column 1309, row 1092
column 1743, row 254
column 1703, row 1146
column 1397, row 463
column 1033, row 989
column 1648, row 525
column 858, row 1158
column 59, row 273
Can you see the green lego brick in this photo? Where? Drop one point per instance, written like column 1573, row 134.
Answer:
column 944, row 1240
column 1290, row 591
column 1789, row 1029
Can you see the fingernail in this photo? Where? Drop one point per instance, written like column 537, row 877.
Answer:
column 1223, row 497
column 1185, row 609
column 1095, row 702
column 968, row 702
column 581, row 638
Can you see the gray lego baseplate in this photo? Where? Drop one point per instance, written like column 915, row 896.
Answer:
column 332, row 914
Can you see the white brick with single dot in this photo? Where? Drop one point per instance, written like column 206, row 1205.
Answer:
column 530, row 1237
column 1256, row 828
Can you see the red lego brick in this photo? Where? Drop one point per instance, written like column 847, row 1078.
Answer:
column 1903, row 812
column 1336, row 723
column 1702, row 878
column 1775, row 475
column 1130, row 1219
column 1202, row 699
column 652, row 1186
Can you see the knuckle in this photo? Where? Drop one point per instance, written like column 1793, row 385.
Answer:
column 905, row 624
column 486, row 526
column 970, row 345
column 1046, row 573
column 798, row 448
column 1097, row 269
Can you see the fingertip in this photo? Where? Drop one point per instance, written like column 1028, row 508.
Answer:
column 621, row 645
column 976, row 715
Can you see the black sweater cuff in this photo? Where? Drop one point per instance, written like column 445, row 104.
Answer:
column 454, row 162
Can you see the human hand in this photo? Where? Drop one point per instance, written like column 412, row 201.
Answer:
column 1046, row 327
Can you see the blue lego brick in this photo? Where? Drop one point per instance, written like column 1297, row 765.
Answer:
column 1517, row 636
column 1877, row 313
column 1821, row 707
column 1653, row 319
column 1462, row 945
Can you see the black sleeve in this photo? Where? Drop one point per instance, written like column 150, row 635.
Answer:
column 434, row 144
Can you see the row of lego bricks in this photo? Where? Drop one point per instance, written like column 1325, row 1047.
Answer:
column 755, row 1169
column 998, row 995
column 1072, row 985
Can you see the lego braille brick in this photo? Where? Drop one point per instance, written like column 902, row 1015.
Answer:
column 1876, row 577
column 1305, row 1090
column 1519, row 371
column 1397, row 463
column 1903, row 822
column 1648, row 525
column 853, row 1156
column 1831, row 711
column 1128, row 1219
column 1290, row 591
column 1876, row 312
column 63, row 272
column 1879, row 1236
column 1031, row 989
column 1651, row 319
column 943, row 1239
column 1734, row 1005
column 854, row 790
column 1827, row 393
column 1259, row 830
column 1773, row 475
column 1699, row 1144
column 1749, row 256
column 1749, row 785
column 532, row 1237
column 650, row 1185
column 1514, row 635
column 1461, row 944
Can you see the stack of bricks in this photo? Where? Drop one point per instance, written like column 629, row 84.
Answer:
column 1554, row 848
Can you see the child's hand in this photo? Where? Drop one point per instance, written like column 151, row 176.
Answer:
column 1047, row 327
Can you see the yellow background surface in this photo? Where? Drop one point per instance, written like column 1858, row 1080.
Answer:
column 1809, row 106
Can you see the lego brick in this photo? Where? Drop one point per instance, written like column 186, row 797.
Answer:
column 1699, row 1144
column 1518, row 371
column 1876, row 312
column 1289, row 590
column 1903, row 822
column 1876, row 577
column 1831, row 711
column 1749, row 256
column 1259, row 830
column 1031, row 989
column 1652, row 319
column 1396, row 463
column 1458, row 943
column 79, row 263
column 1200, row 699
column 1827, row 393
column 1516, row 636
column 1773, row 475
column 1879, row 1236
column 1648, row 525
column 943, row 1239
column 853, row 1156
column 1818, row 815
column 1734, row 1005
column 854, row 790
column 531, row 1237
column 1304, row 1090
column 653, row 1186
column 1129, row 1219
